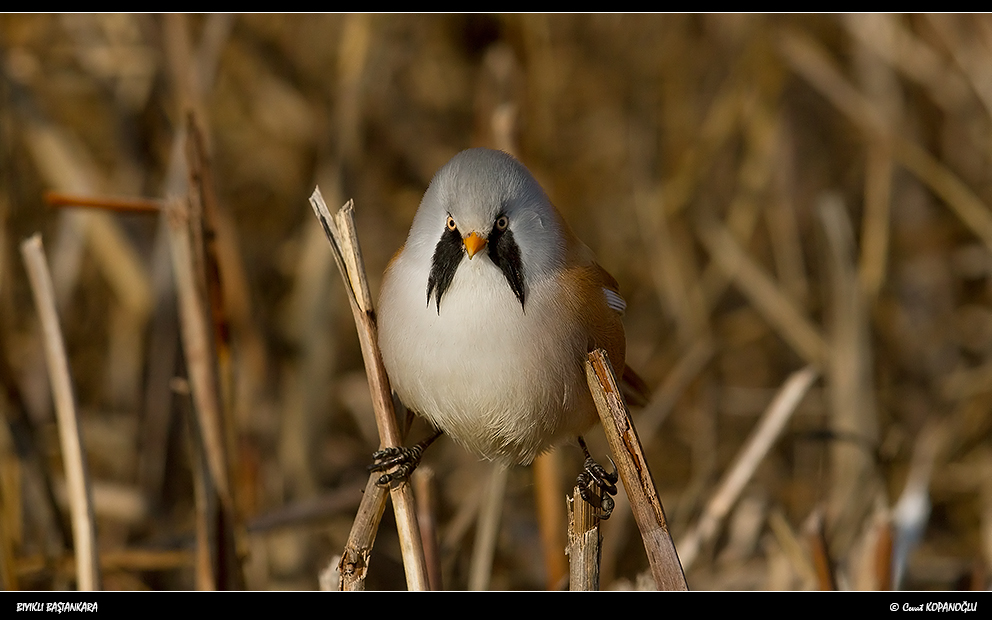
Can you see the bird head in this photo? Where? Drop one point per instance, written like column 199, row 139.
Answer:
column 484, row 205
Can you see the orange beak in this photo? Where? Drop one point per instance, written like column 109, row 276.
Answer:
column 473, row 243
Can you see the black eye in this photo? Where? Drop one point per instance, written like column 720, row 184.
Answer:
column 451, row 223
column 502, row 222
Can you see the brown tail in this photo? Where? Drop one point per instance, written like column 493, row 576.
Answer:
column 635, row 390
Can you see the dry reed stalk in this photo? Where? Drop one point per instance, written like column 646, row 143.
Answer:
column 880, row 83
column 768, row 429
column 550, row 515
column 764, row 293
column 424, row 488
column 875, row 228
column 230, row 300
column 852, row 411
column 221, row 533
column 198, row 344
column 182, row 65
column 487, row 529
column 63, row 164
column 70, row 434
column 343, row 237
column 191, row 76
column 584, row 543
column 783, row 226
column 354, row 564
column 223, row 278
column 352, row 56
column 204, row 499
column 215, row 257
column 634, row 472
column 104, row 203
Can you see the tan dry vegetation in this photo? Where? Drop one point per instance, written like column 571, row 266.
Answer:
column 771, row 192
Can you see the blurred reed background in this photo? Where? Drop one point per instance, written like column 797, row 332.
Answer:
column 771, row 192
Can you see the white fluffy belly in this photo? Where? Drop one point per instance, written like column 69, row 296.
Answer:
column 503, row 380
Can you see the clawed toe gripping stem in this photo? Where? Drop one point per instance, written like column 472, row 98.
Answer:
column 594, row 473
column 405, row 460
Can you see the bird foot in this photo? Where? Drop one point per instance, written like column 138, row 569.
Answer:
column 403, row 459
column 595, row 474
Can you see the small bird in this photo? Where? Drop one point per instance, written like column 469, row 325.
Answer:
column 488, row 311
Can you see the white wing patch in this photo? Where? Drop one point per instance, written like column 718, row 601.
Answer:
column 614, row 300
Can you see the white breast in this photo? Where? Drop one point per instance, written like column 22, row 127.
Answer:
column 505, row 381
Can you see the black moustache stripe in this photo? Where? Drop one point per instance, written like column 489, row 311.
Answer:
column 503, row 251
column 448, row 254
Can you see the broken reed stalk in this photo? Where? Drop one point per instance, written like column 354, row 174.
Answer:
column 584, row 542
column 354, row 564
column 768, row 429
column 343, row 237
column 635, row 474
column 70, row 435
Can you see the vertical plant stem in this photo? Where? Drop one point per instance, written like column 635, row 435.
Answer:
column 487, row 530
column 424, row 483
column 343, row 237
column 70, row 436
column 548, row 490
column 584, row 543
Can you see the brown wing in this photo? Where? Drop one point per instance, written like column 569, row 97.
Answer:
column 586, row 286
column 602, row 318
